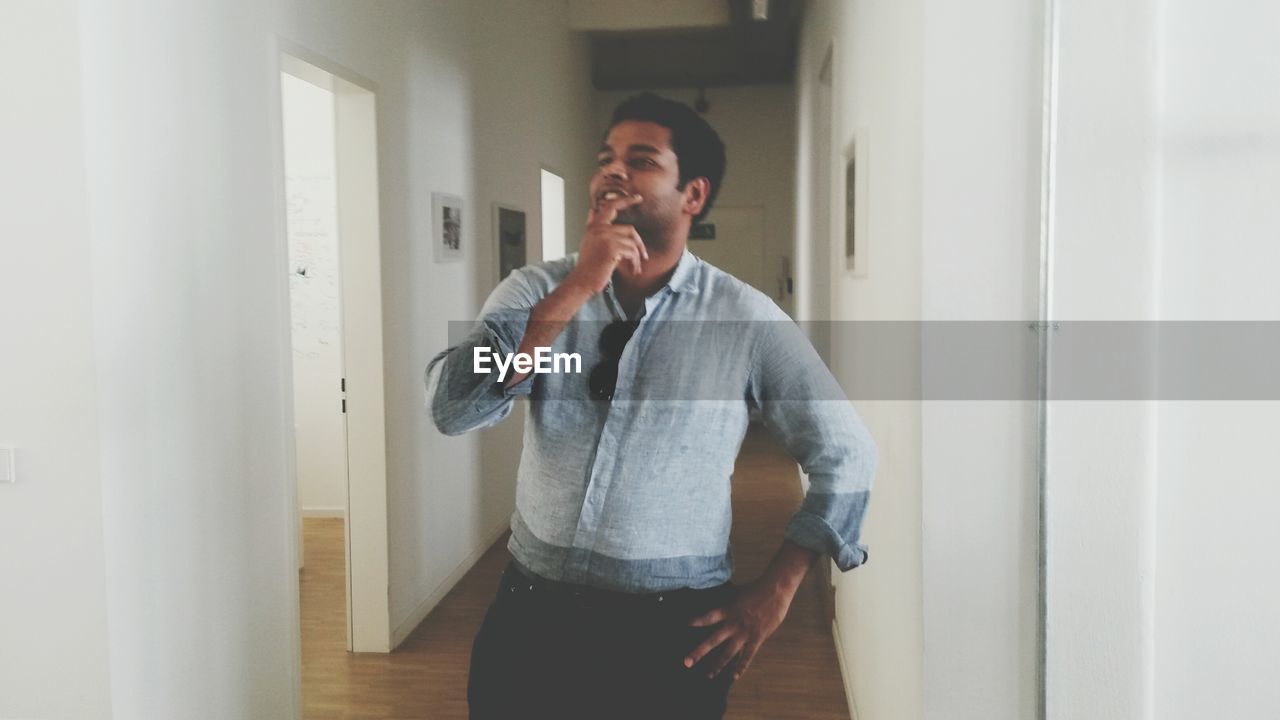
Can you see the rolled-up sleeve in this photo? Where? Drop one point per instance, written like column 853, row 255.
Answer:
column 805, row 408
column 459, row 398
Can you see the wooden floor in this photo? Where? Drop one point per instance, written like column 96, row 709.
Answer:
column 796, row 674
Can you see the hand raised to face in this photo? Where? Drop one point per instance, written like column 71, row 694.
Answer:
column 606, row 245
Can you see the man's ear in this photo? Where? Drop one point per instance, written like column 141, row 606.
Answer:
column 696, row 192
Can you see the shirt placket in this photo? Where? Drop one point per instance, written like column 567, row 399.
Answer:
column 605, row 461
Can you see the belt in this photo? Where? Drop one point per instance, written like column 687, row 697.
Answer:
column 517, row 578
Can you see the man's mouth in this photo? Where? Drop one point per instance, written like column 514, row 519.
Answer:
column 607, row 195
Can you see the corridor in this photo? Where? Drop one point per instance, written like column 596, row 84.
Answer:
column 1037, row 242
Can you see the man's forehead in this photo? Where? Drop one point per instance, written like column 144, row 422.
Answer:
column 637, row 136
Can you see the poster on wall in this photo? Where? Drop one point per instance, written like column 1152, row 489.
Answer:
column 509, row 233
column 856, row 241
column 851, row 211
column 446, row 227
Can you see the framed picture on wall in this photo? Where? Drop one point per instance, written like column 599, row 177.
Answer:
column 509, row 232
column 446, row 227
column 854, row 207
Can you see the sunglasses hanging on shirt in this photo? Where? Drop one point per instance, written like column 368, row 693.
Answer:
column 604, row 376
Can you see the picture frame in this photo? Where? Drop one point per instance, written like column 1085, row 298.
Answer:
column 510, row 237
column 448, row 237
column 853, row 206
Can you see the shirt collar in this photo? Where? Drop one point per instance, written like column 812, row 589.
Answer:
column 684, row 277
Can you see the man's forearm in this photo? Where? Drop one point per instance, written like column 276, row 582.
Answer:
column 787, row 569
column 548, row 319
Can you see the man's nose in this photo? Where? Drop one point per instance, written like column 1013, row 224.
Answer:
column 615, row 170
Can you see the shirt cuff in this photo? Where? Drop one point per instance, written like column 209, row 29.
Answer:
column 505, row 331
column 524, row 387
column 811, row 531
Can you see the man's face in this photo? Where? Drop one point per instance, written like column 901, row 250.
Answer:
column 636, row 158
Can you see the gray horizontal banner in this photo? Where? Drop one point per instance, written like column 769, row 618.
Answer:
column 937, row 360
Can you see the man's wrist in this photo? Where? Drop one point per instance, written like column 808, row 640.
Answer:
column 554, row 310
column 575, row 289
column 789, row 566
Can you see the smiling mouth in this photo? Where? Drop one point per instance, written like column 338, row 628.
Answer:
column 611, row 195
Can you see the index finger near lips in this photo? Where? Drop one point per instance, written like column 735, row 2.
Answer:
column 607, row 210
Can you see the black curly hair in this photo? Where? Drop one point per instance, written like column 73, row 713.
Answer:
column 698, row 148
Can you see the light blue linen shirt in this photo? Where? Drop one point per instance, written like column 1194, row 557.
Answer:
column 634, row 494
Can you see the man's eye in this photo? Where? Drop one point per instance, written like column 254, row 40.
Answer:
column 642, row 162
column 603, row 161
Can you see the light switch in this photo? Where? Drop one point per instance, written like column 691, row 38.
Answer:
column 7, row 474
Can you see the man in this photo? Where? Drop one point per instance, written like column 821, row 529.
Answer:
column 616, row 603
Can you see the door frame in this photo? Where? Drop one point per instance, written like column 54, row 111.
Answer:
column 360, row 262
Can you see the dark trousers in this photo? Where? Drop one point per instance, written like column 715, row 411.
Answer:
column 543, row 652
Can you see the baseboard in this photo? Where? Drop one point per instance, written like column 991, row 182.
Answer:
column 424, row 608
column 324, row 512
column 844, row 671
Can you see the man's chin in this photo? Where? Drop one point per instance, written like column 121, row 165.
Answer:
column 637, row 221
column 650, row 236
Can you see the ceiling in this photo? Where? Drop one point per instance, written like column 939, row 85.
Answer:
column 639, row 44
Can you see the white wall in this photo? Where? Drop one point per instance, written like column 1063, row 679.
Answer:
column 169, row 399
column 1157, row 519
column 314, row 296
column 1101, row 455
column 190, row 338
column 53, row 606
column 945, row 98
column 484, row 124
column 877, row 85
column 757, row 125
column 1160, row 513
column 1217, row 603
column 980, row 255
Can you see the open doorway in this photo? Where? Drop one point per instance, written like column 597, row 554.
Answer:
column 329, row 167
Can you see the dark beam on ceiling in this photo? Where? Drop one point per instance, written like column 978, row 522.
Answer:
column 747, row 52
column 739, row 12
